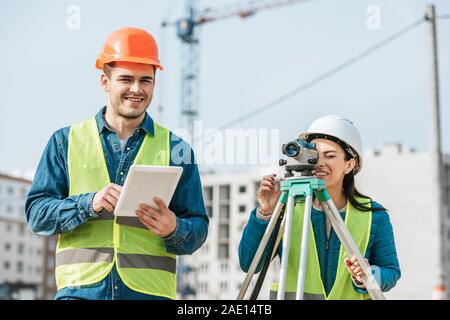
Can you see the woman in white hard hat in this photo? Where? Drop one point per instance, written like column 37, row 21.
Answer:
column 330, row 274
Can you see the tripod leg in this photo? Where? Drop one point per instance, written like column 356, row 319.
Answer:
column 269, row 257
column 350, row 247
column 262, row 275
column 304, row 248
column 277, row 242
column 260, row 251
column 286, row 242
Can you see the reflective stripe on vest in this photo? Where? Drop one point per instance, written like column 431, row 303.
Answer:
column 87, row 254
column 92, row 255
column 126, row 221
column 359, row 224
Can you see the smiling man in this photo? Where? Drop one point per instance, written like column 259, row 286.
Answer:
column 79, row 178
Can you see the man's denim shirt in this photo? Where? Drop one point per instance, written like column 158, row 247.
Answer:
column 50, row 211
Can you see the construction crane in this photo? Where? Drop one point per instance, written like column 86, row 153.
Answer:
column 187, row 32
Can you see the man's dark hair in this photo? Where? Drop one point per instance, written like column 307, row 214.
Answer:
column 107, row 69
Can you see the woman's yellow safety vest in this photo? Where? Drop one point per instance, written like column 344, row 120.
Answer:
column 359, row 224
column 87, row 254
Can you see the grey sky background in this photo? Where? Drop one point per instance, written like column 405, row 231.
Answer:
column 49, row 80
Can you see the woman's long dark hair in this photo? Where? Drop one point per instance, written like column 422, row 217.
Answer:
column 351, row 192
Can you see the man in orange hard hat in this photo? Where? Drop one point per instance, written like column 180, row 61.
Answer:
column 79, row 179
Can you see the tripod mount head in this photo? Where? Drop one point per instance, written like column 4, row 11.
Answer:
column 302, row 157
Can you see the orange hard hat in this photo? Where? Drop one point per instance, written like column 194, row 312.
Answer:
column 131, row 45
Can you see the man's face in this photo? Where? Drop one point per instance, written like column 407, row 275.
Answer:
column 130, row 88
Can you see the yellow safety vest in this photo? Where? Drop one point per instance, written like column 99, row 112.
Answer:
column 87, row 254
column 359, row 224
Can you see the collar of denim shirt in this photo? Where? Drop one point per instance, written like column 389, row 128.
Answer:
column 147, row 124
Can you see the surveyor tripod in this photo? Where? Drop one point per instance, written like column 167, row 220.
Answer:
column 296, row 189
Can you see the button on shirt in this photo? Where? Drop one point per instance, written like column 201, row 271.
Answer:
column 50, row 211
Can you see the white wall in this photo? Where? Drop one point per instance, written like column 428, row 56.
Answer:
column 399, row 180
column 395, row 177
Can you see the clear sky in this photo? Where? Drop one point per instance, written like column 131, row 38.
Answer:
column 49, row 80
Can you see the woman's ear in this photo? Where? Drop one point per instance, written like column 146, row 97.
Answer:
column 350, row 165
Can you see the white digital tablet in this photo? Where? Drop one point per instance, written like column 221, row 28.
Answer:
column 143, row 183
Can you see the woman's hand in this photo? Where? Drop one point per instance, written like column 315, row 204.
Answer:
column 355, row 269
column 268, row 195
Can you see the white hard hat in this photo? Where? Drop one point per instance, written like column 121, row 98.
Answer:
column 338, row 129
